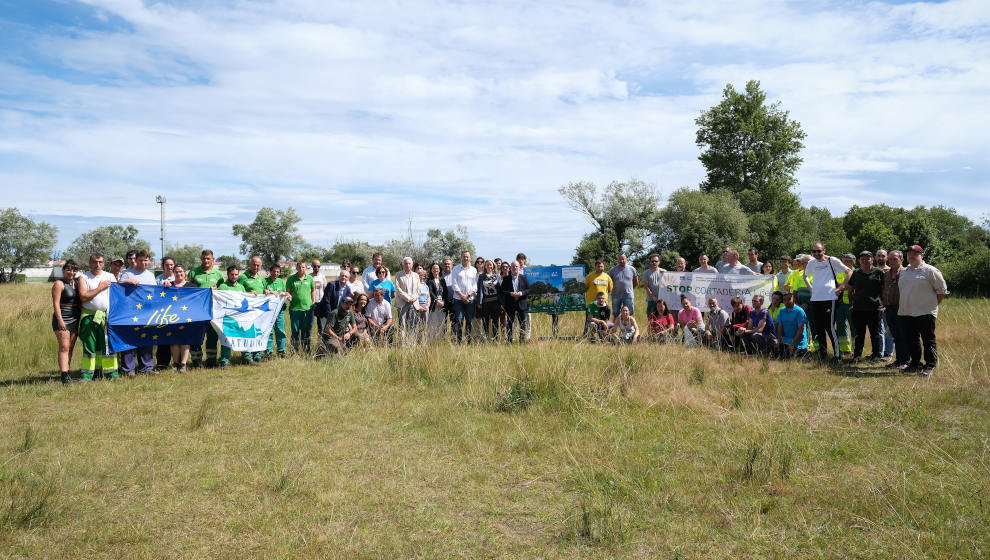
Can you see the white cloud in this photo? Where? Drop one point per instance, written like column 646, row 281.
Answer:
column 463, row 113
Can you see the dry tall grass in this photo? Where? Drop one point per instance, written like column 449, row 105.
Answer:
column 552, row 449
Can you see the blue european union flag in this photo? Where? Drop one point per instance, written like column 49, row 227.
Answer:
column 154, row 315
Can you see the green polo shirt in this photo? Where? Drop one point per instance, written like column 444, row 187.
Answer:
column 301, row 291
column 256, row 284
column 204, row 279
column 230, row 286
column 276, row 285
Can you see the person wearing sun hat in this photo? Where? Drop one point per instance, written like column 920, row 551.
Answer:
column 922, row 289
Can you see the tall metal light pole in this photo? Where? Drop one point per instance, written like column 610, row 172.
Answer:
column 161, row 200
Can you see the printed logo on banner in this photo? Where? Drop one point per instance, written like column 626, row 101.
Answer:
column 244, row 322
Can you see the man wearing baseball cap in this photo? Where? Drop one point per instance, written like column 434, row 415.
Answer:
column 340, row 328
column 922, row 289
column 866, row 286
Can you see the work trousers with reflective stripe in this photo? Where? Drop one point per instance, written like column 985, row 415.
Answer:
column 93, row 337
column 845, row 329
column 212, row 340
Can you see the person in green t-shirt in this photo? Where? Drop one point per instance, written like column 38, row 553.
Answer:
column 302, row 288
column 254, row 283
column 205, row 276
column 275, row 284
column 598, row 315
column 231, row 285
column 251, row 279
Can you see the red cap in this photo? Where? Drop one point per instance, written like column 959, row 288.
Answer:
column 916, row 249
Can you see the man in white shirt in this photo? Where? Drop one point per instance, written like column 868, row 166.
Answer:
column 379, row 316
column 406, row 299
column 825, row 287
column 922, row 289
column 464, row 285
column 319, row 280
column 144, row 355
column 93, row 291
column 370, row 274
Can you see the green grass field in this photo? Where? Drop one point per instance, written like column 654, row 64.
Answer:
column 553, row 449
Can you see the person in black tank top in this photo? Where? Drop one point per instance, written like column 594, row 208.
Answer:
column 66, row 307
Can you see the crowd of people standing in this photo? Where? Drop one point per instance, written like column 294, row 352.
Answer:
column 814, row 298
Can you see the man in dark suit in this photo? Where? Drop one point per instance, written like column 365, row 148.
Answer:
column 515, row 288
column 333, row 294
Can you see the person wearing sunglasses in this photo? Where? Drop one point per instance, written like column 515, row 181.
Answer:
column 821, row 274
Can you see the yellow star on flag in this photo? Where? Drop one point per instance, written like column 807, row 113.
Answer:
column 181, row 327
column 162, row 294
column 155, row 337
column 184, row 308
column 189, row 320
column 144, row 334
column 135, row 319
column 139, row 306
column 149, row 296
column 136, row 329
column 175, row 298
column 168, row 334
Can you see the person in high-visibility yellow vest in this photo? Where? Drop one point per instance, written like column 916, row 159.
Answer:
column 843, row 317
column 802, row 293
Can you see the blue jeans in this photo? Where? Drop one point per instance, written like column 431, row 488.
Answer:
column 463, row 314
column 900, row 340
column 888, row 338
column 618, row 302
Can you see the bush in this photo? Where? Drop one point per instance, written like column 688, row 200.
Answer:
column 966, row 273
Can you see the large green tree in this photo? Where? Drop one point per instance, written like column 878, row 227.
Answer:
column 697, row 222
column 358, row 252
column 111, row 241
column 272, row 235
column 750, row 148
column 624, row 215
column 446, row 244
column 23, row 242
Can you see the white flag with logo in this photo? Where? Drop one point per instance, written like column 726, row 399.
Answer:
column 244, row 321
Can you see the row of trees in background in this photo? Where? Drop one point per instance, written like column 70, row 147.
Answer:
column 750, row 151
column 273, row 235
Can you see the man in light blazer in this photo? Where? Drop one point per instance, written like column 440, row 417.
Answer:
column 515, row 288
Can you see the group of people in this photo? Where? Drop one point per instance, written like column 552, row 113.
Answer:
column 820, row 294
column 817, row 300
column 358, row 307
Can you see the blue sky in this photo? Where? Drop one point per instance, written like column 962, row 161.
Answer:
column 364, row 117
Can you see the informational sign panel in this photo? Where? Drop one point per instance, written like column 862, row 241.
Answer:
column 723, row 287
column 555, row 289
